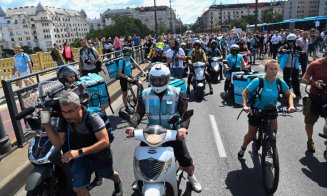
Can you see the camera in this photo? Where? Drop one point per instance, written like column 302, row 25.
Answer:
column 88, row 61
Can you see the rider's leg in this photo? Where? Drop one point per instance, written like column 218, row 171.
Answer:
column 189, row 80
column 209, row 81
column 325, row 127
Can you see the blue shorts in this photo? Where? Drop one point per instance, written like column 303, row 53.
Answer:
column 82, row 169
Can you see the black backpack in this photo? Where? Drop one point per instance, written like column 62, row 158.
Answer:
column 260, row 88
column 53, row 55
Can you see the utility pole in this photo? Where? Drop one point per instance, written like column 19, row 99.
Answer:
column 256, row 16
column 171, row 18
column 221, row 16
column 155, row 17
column 211, row 26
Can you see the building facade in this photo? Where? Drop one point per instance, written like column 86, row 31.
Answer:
column 41, row 26
column 166, row 17
column 298, row 9
column 225, row 13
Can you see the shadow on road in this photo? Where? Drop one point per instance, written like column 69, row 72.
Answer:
column 315, row 170
column 247, row 181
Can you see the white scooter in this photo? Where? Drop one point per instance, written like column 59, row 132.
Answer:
column 154, row 165
column 199, row 79
column 215, row 67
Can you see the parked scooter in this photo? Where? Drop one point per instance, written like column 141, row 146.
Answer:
column 154, row 165
column 198, row 81
column 50, row 176
column 215, row 66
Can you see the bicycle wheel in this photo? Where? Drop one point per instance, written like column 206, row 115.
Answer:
column 131, row 97
column 270, row 166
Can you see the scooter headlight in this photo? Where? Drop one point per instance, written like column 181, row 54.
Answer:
column 153, row 139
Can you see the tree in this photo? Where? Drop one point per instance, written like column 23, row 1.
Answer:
column 37, row 49
column 123, row 26
column 239, row 23
column 269, row 16
column 75, row 44
column 250, row 19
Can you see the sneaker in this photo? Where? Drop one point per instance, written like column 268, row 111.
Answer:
column 195, row 183
column 118, row 189
column 129, row 111
column 135, row 186
column 311, row 146
column 240, row 153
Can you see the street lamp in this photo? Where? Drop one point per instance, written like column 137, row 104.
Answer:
column 155, row 17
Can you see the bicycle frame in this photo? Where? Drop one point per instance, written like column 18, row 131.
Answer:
column 132, row 96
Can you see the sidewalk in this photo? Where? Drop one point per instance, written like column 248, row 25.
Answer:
column 15, row 168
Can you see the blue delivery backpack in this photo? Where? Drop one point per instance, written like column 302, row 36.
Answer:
column 180, row 83
column 112, row 69
column 241, row 80
column 97, row 90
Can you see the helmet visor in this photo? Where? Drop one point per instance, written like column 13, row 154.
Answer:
column 159, row 81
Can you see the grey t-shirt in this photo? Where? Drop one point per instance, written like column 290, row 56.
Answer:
column 86, row 53
column 95, row 121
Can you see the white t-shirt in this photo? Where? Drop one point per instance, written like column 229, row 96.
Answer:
column 170, row 54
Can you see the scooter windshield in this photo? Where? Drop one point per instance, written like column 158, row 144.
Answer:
column 154, row 134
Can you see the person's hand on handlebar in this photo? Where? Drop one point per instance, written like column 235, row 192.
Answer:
column 319, row 84
column 181, row 133
column 130, row 131
column 247, row 109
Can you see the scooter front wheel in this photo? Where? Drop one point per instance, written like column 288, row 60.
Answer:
column 42, row 190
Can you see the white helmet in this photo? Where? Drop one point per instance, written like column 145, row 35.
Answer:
column 291, row 37
column 159, row 77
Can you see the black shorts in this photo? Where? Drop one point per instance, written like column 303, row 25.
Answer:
column 180, row 151
column 123, row 83
column 256, row 119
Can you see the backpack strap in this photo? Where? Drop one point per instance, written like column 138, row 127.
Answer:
column 279, row 87
column 257, row 92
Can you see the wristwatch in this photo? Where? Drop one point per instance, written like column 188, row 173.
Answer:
column 81, row 152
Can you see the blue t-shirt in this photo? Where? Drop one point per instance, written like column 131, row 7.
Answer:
column 269, row 93
column 21, row 61
column 128, row 66
column 136, row 41
column 231, row 60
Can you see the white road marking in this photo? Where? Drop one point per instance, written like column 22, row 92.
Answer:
column 219, row 142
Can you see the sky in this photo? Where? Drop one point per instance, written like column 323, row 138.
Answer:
column 187, row 10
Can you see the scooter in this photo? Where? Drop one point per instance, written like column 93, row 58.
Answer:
column 199, row 79
column 50, row 175
column 155, row 165
column 215, row 67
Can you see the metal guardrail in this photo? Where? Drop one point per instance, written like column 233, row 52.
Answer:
column 10, row 93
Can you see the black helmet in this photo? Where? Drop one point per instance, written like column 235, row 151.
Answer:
column 197, row 43
column 65, row 71
column 127, row 51
column 214, row 43
column 241, row 42
column 234, row 48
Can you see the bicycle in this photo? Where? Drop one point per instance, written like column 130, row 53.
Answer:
column 269, row 156
column 133, row 94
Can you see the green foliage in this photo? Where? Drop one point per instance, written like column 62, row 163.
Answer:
column 269, row 16
column 239, row 23
column 75, row 44
column 37, row 49
column 250, row 19
column 123, row 26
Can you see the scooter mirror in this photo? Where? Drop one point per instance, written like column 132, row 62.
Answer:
column 188, row 114
column 124, row 115
column 173, row 119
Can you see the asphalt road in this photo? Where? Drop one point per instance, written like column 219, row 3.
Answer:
column 214, row 139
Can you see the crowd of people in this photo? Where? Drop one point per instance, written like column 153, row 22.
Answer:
column 173, row 55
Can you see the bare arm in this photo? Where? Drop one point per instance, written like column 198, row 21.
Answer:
column 102, row 143
column 56, row 138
